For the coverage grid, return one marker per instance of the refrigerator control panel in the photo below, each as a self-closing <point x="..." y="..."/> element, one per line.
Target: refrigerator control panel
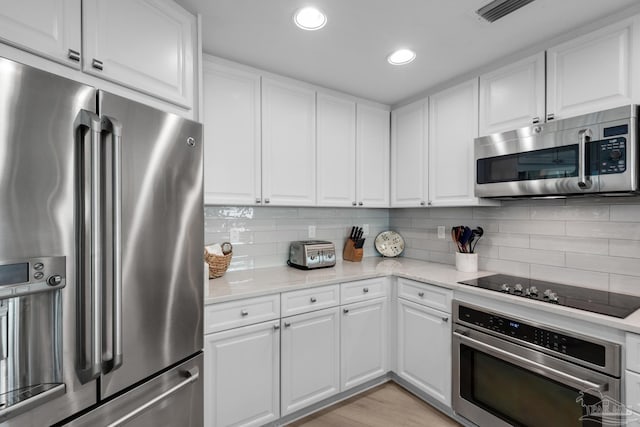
<point x="30" y="275"/>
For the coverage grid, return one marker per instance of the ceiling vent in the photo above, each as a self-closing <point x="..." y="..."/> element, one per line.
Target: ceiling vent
<point x="499" y="8"/>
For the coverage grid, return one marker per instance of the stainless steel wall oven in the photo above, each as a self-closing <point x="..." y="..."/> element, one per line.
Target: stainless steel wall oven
<point x="509" y="371"/>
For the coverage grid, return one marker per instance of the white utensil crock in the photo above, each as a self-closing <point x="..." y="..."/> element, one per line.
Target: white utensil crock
<point x="467" y="263"/>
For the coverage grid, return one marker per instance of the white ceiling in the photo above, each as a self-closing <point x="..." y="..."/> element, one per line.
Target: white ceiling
<point x="349" y="53"/>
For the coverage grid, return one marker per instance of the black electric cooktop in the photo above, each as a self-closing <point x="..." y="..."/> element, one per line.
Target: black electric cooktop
<point x="596" y="301"/>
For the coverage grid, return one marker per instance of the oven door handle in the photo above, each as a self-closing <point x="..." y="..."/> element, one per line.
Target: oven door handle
<point x="531" y="365"/>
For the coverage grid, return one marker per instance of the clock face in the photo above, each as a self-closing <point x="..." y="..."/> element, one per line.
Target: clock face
<point x="389" y="243"/>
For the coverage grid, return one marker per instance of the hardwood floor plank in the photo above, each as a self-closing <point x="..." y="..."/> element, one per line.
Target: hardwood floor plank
<point x="383" y="406"/>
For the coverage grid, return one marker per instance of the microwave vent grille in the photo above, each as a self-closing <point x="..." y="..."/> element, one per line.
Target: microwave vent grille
<point x="499" y="8"/>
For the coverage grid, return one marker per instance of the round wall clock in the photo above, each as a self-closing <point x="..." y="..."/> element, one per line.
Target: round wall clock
<point x="389" y="243"/>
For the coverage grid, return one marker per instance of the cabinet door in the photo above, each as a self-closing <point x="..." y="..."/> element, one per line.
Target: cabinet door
<point x="409" y="155"/>
<point x="453" y="125"/>
<point x="424" y="349"/>
<point x="288" y="144"/>
<point x="50" y="28"/>
<point x="363" y="342"/>
<point x="310" y="358"/>
<point x="231" y="136"/>
<point x="594" y="72"/>
<point x="372" y="154"/>
<point x="512" y="96"/>
<point x="147" y="45"/>
<point x="242" y="372"/>
<point x="336" y="142"/>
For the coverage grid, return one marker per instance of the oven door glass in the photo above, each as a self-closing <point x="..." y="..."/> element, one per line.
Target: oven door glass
<point x="519" y="396"/>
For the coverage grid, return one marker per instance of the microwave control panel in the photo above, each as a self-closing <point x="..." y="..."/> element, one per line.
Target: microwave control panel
<point x="610" y="156"/>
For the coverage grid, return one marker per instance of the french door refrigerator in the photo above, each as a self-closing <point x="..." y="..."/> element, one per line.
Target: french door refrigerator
<point x="101" y="239"/>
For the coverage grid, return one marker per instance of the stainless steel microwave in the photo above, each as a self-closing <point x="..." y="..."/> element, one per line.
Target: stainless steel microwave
<point x="595" y="153"/>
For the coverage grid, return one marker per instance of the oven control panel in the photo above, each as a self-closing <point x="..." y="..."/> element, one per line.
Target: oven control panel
<point x="547" y="338"/>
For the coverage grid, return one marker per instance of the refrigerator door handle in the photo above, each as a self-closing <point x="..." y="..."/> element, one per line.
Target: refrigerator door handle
<point x="114" y="128"/>
<point x="89" y="243"/>
<point x="191" y="376"/>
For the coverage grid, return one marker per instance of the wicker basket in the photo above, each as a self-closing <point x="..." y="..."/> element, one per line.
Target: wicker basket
<point x="218" y="264"/>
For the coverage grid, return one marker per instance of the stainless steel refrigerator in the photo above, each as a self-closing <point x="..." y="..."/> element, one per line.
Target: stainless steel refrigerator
<point x="101" y="240"/>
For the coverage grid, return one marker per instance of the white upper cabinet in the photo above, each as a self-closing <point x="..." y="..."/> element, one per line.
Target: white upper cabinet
<point x="288" y="143"/>
<point x="48" y="28"/>
<point x="231" y="135"/>
<point x="409" y="155"/>
<point x="147" y="45"/>
<point x="594" y="72"/>
<point x="336" y="151"/>
<point x="453" y="125"/>
<point x="372" y="154"/>
<point x="513" y="96"/>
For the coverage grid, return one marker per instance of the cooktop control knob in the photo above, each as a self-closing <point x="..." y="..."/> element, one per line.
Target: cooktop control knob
<point x="54" y="280"/>
<point x="517" y="288"/>
<point x="533" y="291"/>
<point x="505" y="288"/>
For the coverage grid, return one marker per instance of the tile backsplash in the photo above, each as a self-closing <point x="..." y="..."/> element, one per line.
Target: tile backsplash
<point x="264" y="233"/>
<point x="592" y="242"/>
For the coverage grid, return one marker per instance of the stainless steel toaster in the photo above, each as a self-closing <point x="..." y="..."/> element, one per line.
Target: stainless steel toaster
<point x="310" y="254"/>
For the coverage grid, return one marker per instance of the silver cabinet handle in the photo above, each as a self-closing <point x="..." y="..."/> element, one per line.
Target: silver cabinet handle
<point x="429" y="203"/>
<point x="583" y="181"/>
<point x="550" y="116"/>
<point x="353" y="203"/>
<point x="90" y="247"/>
<point x="445" y="319"/>
<point x="420" y="294"/>
<point x="267" y="201"/>
<point x="97" y="64"/>
<point x="365" y="290"/>
<point x="287" y="324"/>
<point x="360" y="203"/>
<point x="422" y="203"/>
<point x="276" y="327"/>
<point x="535" y="120"/>
<point x="258" y="200"/>
<point x="244" y="313"/>
<point x="345" y="311"/>
<point x="313" y="299"/>
<point x="73" y="55"/>
<point x="113" y="127"/>
<point x="191" y="377"/>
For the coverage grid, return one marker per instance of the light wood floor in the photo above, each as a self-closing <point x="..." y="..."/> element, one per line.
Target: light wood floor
<point x="384" y="406"/>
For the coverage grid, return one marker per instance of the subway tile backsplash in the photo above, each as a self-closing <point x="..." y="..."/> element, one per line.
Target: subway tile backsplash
<point x="264" y="233"/>
<point x="592" y="242"/>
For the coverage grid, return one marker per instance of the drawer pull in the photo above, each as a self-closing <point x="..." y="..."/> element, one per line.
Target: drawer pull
<point x="276" y="327"/>
<point x="287" y="324"/>
<point x="345" y="311"/>
<point x="421" y="294"/>
<point x="365" y="290"/>
<point x="313" y="299"/>
<point x="97" y="64"/>
<point x="445" y="319"/>
<point x="244" y="313"/>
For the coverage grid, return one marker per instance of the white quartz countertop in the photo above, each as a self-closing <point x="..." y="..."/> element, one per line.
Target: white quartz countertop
<point x="265" y="281"/>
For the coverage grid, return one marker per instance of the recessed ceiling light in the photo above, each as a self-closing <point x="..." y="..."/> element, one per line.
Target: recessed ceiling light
<point x="401" y="57"/>
<point x="310" y="18"/>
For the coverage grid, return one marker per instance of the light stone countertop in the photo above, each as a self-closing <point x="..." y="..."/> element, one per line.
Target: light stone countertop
<point x="268" y="281"/>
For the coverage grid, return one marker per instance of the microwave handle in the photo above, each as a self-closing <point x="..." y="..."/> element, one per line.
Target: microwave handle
<point x="584" y="182"/>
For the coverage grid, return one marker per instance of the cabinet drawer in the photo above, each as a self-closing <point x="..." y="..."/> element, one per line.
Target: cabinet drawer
<point x="304" y="300"/>
<point x="363" y="290"/>
<point x="429" y="295"/>
<point x="632" y="390"/>
<point x="227" y="315"/>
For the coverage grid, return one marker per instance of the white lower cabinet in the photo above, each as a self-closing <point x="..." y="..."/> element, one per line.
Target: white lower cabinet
<point x="363" y="342"/>
<point x="310" y="358"/>
<point x="242" y="376"/>
<point x="424" y="349"/>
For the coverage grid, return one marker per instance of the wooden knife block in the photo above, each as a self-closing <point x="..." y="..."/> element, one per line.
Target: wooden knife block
<point x="350" y="253"/>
